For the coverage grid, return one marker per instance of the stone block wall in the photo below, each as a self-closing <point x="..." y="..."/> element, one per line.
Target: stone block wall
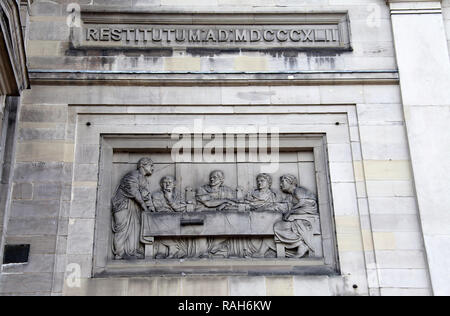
<point x="40" y="197"/>
<point x="49" y="45"/>
<point x="379" y="235"/>
<point x="379" y="220"/>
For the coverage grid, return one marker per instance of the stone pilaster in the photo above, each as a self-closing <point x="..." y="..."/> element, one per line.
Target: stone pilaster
<point x="424" y="66"/>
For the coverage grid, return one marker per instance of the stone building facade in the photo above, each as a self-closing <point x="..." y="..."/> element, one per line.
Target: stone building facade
<point x="359" y="93"/>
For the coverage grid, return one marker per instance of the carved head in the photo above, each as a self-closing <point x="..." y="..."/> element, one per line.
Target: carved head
<point x="168" y="183"/>
<point x="145" y="165"/>
<point x="288" y="182"/>
<point x="264" y="181"/>
<point x="217" y="177"/>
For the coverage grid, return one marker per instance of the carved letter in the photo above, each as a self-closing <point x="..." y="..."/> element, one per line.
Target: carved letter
<point x="129" y="31"/>
<point x="194" y="35"/>
<point x="156" y="38"/>
<point x="105" y="35"/>
<point x="92" y="34"/>
<point x="146" y="36"/>
<point x="210" y="36"/>
<point x="116" y="35"/>
<point x="308" y="35"/>
<point x="181" y="38"/>
<point x="136" y="35"/>
<point x="266" y="36"/>
<point x="280" y="38"/>
<point x="169" y="33"/>
<point x="295" y="36"/>
<point x="241" y="36"/>
<point x="255" y="35"/>
<point x="223" y="36"/>
<point x="320" y="35"/>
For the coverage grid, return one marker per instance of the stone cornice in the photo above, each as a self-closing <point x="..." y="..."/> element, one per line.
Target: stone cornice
<point x="415" y="6"/>
<point x="65" y="77"/>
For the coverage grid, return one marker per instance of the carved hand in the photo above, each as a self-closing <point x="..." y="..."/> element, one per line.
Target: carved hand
<point x="287" y="215"/>
<point x="224" y="206"/>
<point x="168" y="196"/>
<point x="144" y="207"/>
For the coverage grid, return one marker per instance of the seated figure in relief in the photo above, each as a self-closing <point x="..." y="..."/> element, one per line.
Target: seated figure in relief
<point x="263" y="198"/>
<point x="295" y="233"/>
<point x="215" y="195"/>
<point x="169" y="199"/>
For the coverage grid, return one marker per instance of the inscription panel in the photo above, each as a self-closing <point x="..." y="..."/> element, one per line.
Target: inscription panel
<point x="224" y="31"/>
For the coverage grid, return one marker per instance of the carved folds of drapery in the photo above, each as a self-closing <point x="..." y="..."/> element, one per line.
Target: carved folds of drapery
<point x="214" y="220"/>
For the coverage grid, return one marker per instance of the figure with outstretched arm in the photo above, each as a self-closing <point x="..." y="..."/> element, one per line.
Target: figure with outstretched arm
<point x="215" y="195"/>
<point x="131" y="198"/>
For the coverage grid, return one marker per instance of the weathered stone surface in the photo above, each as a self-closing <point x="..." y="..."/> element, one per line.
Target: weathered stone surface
<point x="311" y="286"/>
<point x="143" y="287"/>
<point x="33" y="226"/>
<point x="36" y="209"/>
<point x="247" y="286"/>
<point x="384" y="150"/>
<point x="37" y="264"/>
<point x="47" y="191"/>
<point x="26" y="283"/>
<point x="280" y="286"/>
<point x="108" y="287"/>
<point x="23" y="191"/>
<point x="38" y="171"/>
<point x="212" y="286"/>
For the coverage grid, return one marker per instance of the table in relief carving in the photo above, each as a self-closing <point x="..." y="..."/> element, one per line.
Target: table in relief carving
<point x="213" y="224"/>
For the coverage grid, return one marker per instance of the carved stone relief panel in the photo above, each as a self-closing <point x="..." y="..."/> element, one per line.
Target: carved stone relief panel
<point x="153" y="212"/>
<point x="196" y="210"/>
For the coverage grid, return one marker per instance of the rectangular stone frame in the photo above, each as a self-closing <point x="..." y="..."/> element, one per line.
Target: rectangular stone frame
<point x="103" y="265"/>
<point x="107" y="16"/>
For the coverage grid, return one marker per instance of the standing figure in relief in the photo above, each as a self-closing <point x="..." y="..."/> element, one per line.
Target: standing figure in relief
<point x="169" y="199"/>
<point x="131" y="198"/>
<point x="292" y="232"/>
